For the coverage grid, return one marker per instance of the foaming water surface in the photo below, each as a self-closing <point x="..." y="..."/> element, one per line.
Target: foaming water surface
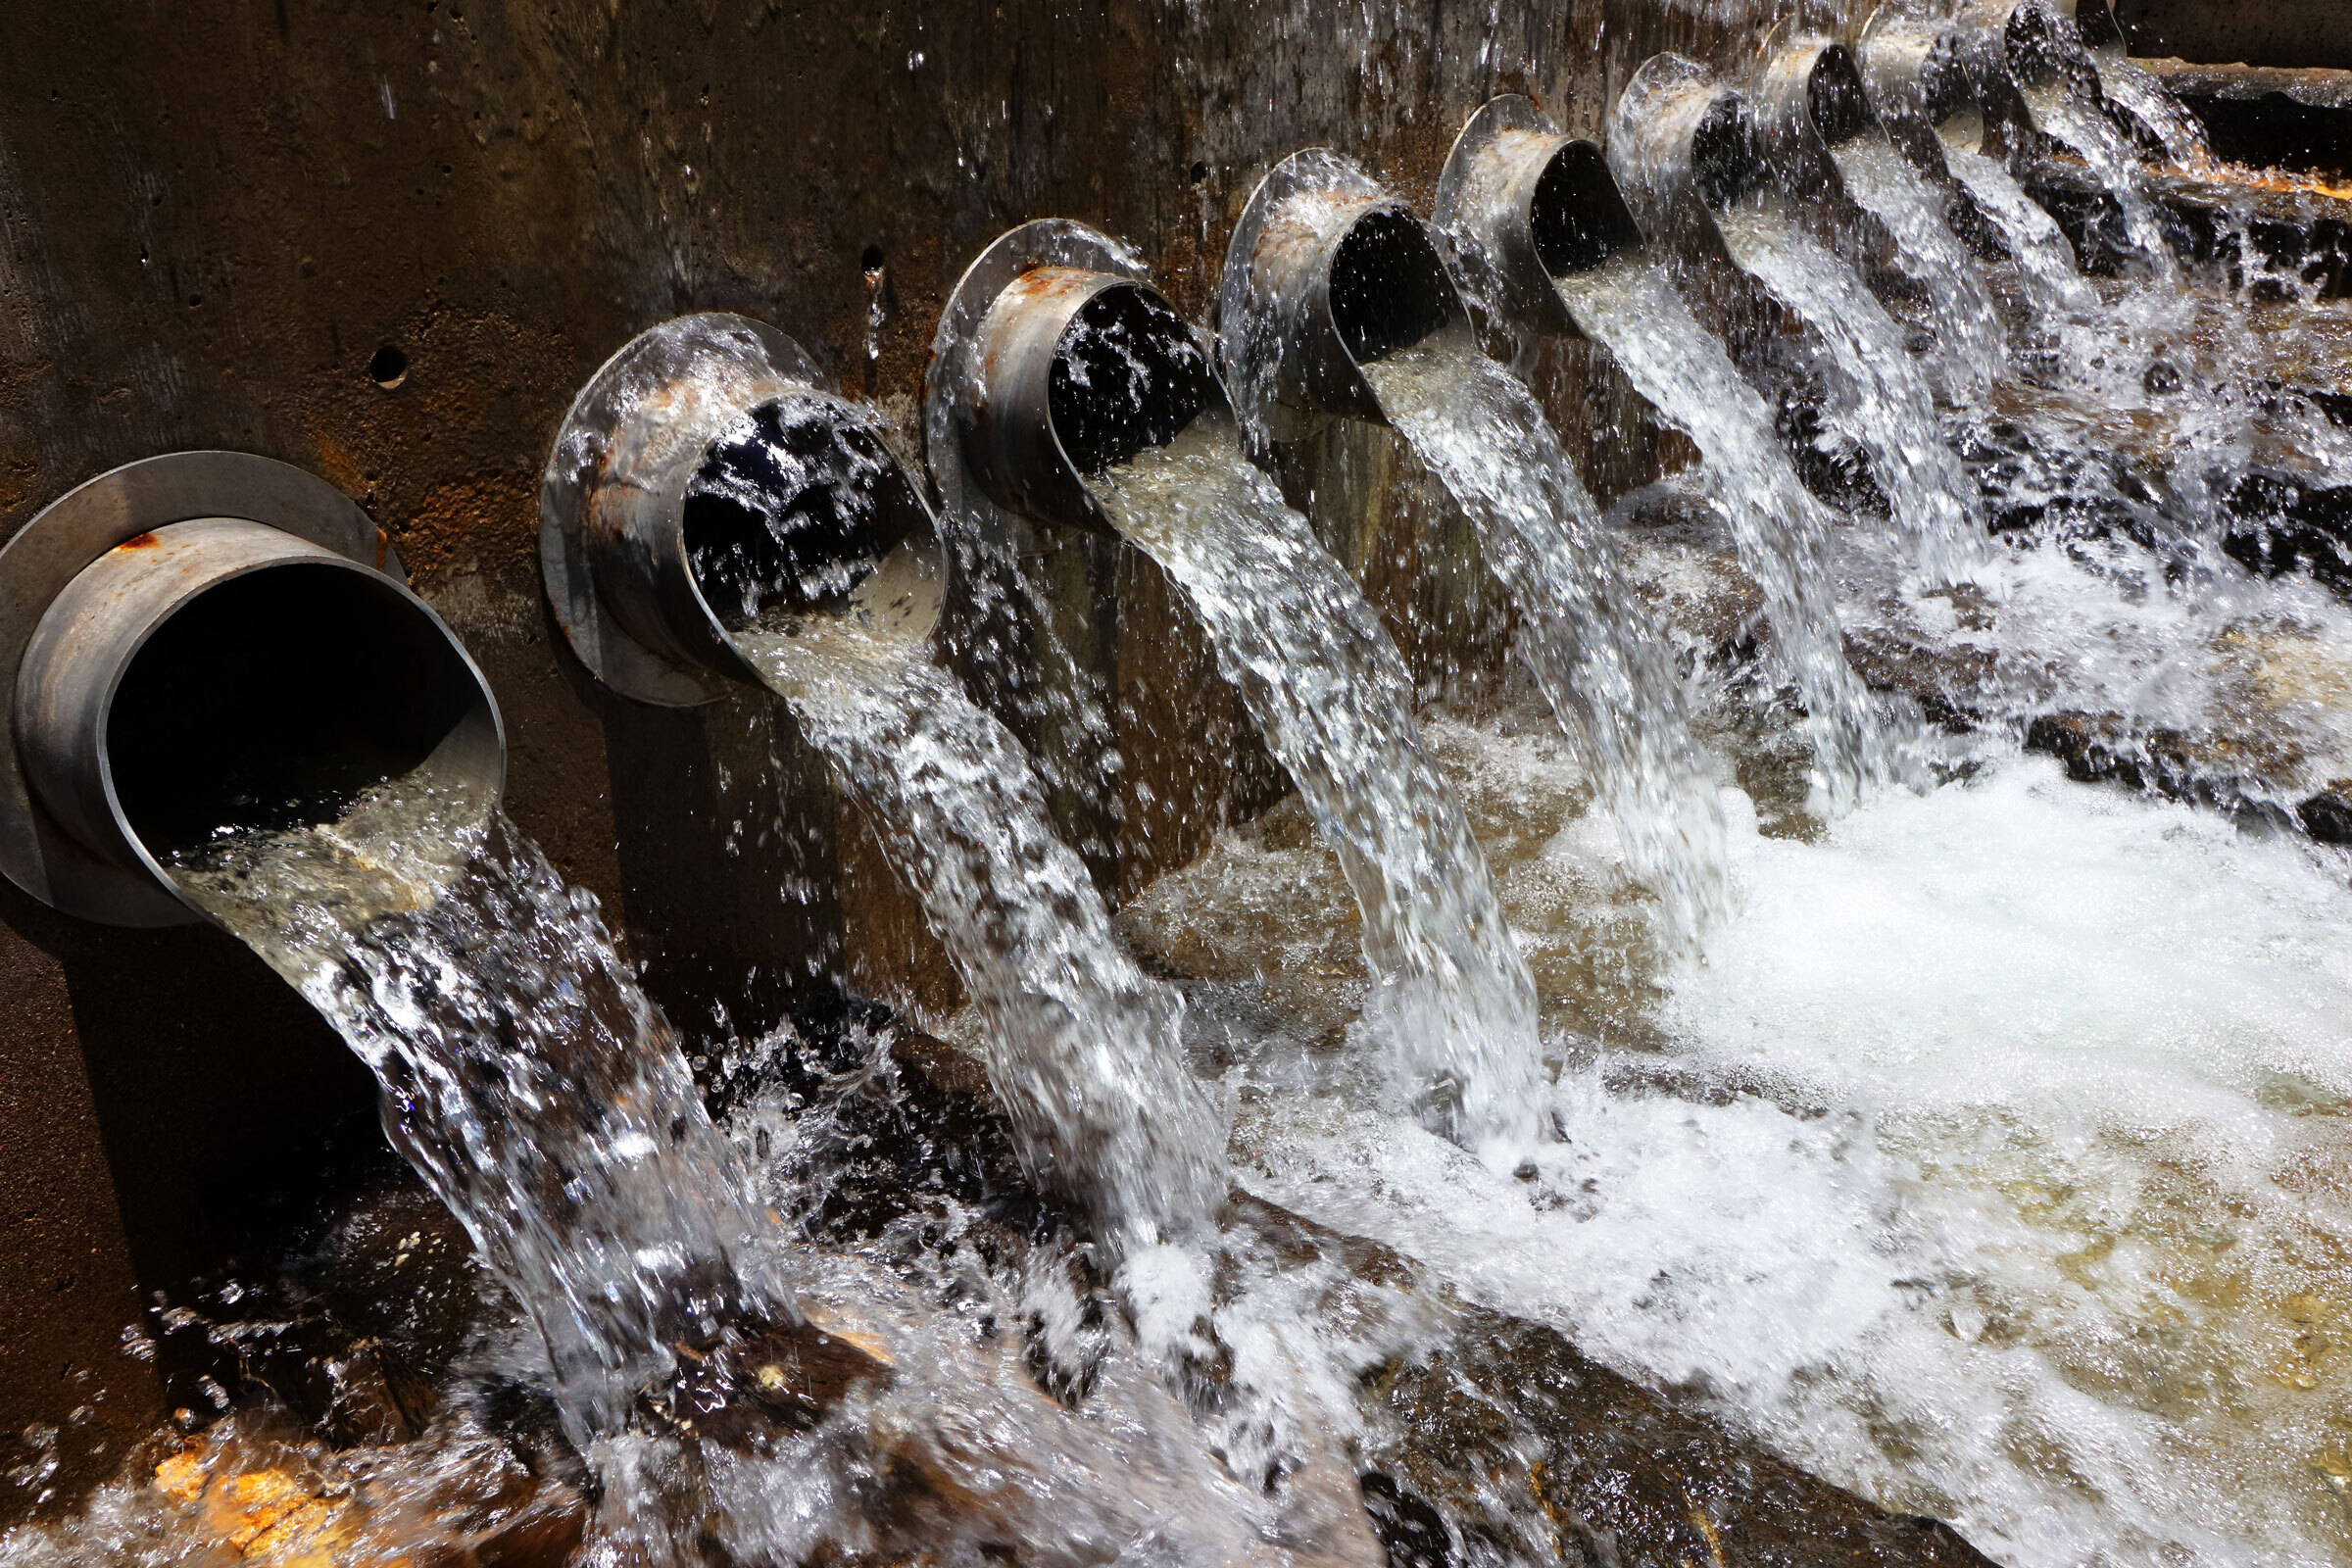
<point x="1991" y="1162"/>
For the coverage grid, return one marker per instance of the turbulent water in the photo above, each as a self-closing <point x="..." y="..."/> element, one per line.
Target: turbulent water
<point x="1330" y="695"/>
<point x="1884" y="185"/>
<point x="1993" y="1164"/>
<point x="1781" y="532"/>
<point x="1883" y="401"/>
<point x="524" y="1075"/>
<point x="1083" y="1049"/>
<point x="1602" y="661"/>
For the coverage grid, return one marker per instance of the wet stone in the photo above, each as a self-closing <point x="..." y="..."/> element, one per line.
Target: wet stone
<point x="2221" y="771"/>
<point x="2327" y="815"/>
<point x="1541" y="1450"/>
<point x="2280" y="523"/>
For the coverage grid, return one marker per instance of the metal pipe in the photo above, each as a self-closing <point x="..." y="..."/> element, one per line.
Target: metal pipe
<point x="1682" y="145"/>
<point x="205" y="642"/>
<point x="1808" y="99"/>
<point x="1077" y="371"/>
<point x="1325" y="272"/>
<point x="704" y="479"/>
<point x="1916" y="72"/>
<point x="1520" y="204"/>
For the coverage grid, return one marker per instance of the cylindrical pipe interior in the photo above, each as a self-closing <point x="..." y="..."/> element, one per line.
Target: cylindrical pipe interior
<point x="271" y="698"/>
<point x="1835" y="99"/>
<point x="1127" y="375"/>
<point x="1388" y="287"/>
<point x="1577" y="215"/>
<point x="791" y="510"/>
<point x="1724" y="161"/>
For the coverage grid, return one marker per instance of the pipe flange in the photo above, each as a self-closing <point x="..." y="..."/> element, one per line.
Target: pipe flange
<point x="1326" y="272"/>
<point x="1521" y="205"/>
<point x="1482" y="211"/>
<point x="48" y="553"/>
<point x="1057" y="242"/>
<point x="640" y="371"/>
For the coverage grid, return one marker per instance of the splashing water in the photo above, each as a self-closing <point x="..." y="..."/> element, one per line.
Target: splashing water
<point x="1606" y="670"/>
<point x="1885" y="402"/>
<point x="1885" y="186"/>
<point x="526" y="1076"/>
<point x="2071" y="116"/>
<point x="2175" y="124"/>
<point x="1082" y="1048"/>
<point x="1330" y="695"/>
<point x="1991" y="1164"/>
<point x="1782" y="533"/>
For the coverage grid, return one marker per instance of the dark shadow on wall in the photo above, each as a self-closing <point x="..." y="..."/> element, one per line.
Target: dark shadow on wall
<point x="2273" y="33"/>
<point x="724" y="820"/>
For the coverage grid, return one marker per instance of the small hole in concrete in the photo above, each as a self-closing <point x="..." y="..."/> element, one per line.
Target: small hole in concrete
<point x="871" y="261"/>
<point x="388" y="368"/>
<point x="1200" y="173"/>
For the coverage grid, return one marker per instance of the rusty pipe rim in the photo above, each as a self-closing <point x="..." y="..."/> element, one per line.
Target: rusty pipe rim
<point x="1326" y="271"/>
<point x="645" y="602"/>
<point x="1677" y="136"/>
<point x="1519" y="205"/>
<point x="1055" y="360"/>
<point x="126" y="564"/>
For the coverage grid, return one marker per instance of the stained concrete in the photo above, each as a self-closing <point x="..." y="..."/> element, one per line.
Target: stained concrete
<point x="2272" y="32"/>
<point x="386" y="240"/>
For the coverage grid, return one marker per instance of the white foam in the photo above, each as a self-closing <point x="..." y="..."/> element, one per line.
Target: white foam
<point x="2038" y="1214"/>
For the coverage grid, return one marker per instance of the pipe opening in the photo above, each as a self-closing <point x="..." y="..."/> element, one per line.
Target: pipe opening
<point x="1834" y="98"/>
<point x="274" y="699"/>
<point x="1949" y="98"/>
<point x="1725" y="161"/>
<point x="789" y="511"/>
<point x="1389" y="288"/>
<point x="1577" y="215"/>
<point x="1127" y="375"/>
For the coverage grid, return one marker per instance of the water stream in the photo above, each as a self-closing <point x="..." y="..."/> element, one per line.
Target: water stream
<point x="1783" y="534"/>
<point x="1456" y="1006"/>
<point x="1082" y="1048"/>
<point x="2045" y="257"/>
<point x="1884" y="185"/>
<point x="1602" y="662"/>
<point x="525" y="1074"/>
<point x="1881" y="398"/>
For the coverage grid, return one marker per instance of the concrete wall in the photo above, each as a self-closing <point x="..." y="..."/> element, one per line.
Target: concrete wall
<point x="2268" y="32"/>
<point x="215" y="215"/>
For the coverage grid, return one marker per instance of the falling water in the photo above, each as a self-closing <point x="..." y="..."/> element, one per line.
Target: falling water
<point x="2175" y="126"/>
<point x="1781" y="534"/>
<point x="1602" y="663"/>
<point x="2045" y="257"/>
<point x="1332" y="697"/>
<point x="525" y="1074"/>
<point x="1885" y="405"/>
<point x="1885" y="186"/>
<point x="2071" y="115"/>
<point x="1083" y="1049"/>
